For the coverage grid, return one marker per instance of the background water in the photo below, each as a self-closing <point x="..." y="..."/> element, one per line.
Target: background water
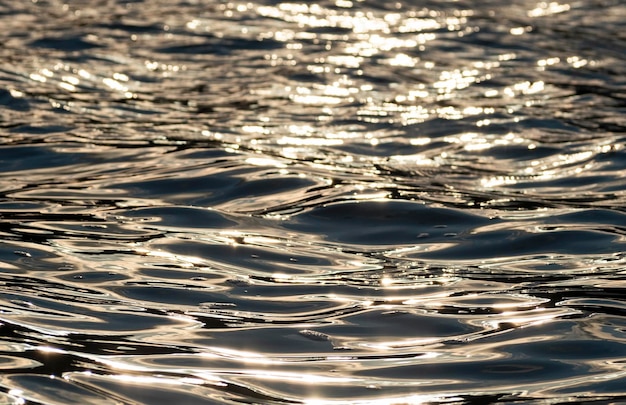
<point x="322" y="203"/>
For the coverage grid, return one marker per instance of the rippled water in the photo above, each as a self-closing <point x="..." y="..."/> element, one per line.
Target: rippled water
<point x="324" y="203"/>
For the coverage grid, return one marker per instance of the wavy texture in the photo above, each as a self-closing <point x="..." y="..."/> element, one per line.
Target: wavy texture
<point x="331" y="202"/>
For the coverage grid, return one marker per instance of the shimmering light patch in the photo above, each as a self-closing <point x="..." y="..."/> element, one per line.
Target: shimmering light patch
<point x="259" y="161"/>
<point x="575" y="157"/>
<point x="120" y="76"/>
<point x="345" y="60"/>
<point x="418" y="24"/>
<point x="214" y="135"/>
<point x="374" y="44"/>
<point x="71" y="80"/>
<point x="301" y="129"/>
<point x="543" y="9"/>
<point x="418" y="160"/>
<point x="184" y="261"/>
<point x="578" y="62"/>
<point x="284" y="35"/>
<point x="16" y="396"/>
<point x="151" y="65"/>
<point x="343" y="3"/>
<point x="193" y="24"/>
<point x="548" y="61"/>
<point x="524" y="88"/>
<point x="255" y="129"/>
<point x="84" y="74"/>
<point x="449" y="113"/>
<point x="498" y="181"/>
<point x="478" y="144"/>
<point x="242" y="355"/>
<point x="414" y="114"/>
<point x="405" y="400"/>
<point x="402" y="59"/>
<point x="317" y="110"/>
<point x="386" y="281"/>
<point x="533" y="317"/>
<point x="486" y="65"/>
<point x="67" y="86"/>
<point x="420" y="141"/>
<point x="396" y="344"/>
<point x="300" y="377"/>
<point x="290" y="140"/>
<point x="48" y="349"/>
<point x="281" y="277"/>
<point x="149" y="380"/>
<point x="409" y="114"/>
<point x="38" y="77"/>
<point x="315" y="99"/>
<point x="455" y="80"/>
<point x="317" y="16"/>
<point x="16" y="93"/>
<point x="116" y="85"/>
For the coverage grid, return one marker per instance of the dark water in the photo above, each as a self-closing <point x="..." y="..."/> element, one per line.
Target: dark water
<point x="361" y="202"/>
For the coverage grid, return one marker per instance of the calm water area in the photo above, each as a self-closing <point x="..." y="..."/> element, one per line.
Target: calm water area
<point x="318" y="203"/>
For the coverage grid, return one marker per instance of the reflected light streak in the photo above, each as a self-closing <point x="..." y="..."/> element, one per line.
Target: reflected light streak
<point x="16" y="93"/>
<point x="300" y="378"/>
<point x="148" y="380"/>
<point x="455" y="80"/>
<point x="118" y="363"/>
<point x="349" y="61"/>
<point x="290" y="140"/>
<point x="527" y="319"/>
<point x="406" y="400"/>
<point x="499" y="181"/>
<point x="38" y="77"/>
<point x="315" y="100"/>
<point x="257" y="161"/>
<point x="418" y="160"/>
<point x="418" y="24"/>
<point x="48" y="349"/>
<point x="67" y="86"/>
<point x="71" y="80"/>
<point x="185" y="261"/>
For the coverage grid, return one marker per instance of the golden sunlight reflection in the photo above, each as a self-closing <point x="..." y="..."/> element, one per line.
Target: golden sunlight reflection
<point x="545" y="9"/>
<point x="301" y="378"/>
<point x="69" y="79"/>
<point x="403" y="400"/>
<point x="455" y="80"/>
<point x="121" y="363"/>
<point x="317" y="202"/>
<point x="496" y="181"/>
<point x="296" y="141"/>
<point x="549" y="168"/>
<point x="185" y="261"/>
<point x="49" y="349"/>
<point x="183" y="381"/>
<point x="386" y="281"/>
<point x="16" y="397"/>
<point x="261" y="161"/>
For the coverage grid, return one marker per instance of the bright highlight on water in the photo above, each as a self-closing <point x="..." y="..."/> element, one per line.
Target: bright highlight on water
<point x="340" y="202"/>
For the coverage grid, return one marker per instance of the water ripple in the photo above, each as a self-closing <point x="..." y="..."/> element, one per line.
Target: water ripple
<point x="332" y="202"/>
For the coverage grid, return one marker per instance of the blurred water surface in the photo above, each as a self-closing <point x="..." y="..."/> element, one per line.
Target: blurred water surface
<point x="361" y="202"/>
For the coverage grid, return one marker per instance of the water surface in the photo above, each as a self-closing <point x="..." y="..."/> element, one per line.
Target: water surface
<point x="266" y="202"/>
